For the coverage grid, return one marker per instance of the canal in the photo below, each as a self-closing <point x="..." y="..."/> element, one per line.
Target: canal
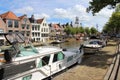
<point x="72" y="44"/>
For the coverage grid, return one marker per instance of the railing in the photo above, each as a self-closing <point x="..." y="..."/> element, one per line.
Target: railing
<point x="114" y="70"/>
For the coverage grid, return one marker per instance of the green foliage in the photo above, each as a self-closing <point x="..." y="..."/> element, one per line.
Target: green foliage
<point x="112" y="26"/>
<point x="97" y="5"/>
<point x="68" y="30"/>
<point x="93" y="30"/>
<point x="75" y="30"/>
<point x="81" y="29"/>
<point x="87" y="30"/>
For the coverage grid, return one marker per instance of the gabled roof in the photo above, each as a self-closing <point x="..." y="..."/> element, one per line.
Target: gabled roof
<point x="56" y="26"/>
<point x="21" y="17"/>
<point x="9" y="15"/>
<point x="2" y="21"/>
<point x="40" y="20"/>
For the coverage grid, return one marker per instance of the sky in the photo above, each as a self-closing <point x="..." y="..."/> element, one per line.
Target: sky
<point x="57" y="11"/>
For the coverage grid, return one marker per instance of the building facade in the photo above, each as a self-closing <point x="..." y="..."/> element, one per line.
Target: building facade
<point x="2" y="30"/>
<point x="25" y="26"/>
<point x="56" y="31"/>
<point x="11" y="21"/>
<point x="40" y="29"/>
<point x="44" y="29"/>
<point x="34" y="29"/>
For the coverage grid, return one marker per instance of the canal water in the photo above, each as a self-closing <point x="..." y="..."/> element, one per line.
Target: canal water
<point x="72" y="44"/>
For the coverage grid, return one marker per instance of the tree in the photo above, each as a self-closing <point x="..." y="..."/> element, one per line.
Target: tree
<point x="97" y="5"/>
<point x="108" y="28"/>
<point x="112" y="26"/>
<point x="93" y="30"/>
<point x="81" y="30"/>
<point x="87" y="30"/>
<point x="67" y="30"/>
<point x="113" y="23"/>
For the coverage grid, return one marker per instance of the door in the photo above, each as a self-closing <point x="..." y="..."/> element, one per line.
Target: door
<point x="58" y="62"/>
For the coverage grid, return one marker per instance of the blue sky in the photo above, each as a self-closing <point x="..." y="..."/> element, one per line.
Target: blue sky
<point x="57" y="11"/>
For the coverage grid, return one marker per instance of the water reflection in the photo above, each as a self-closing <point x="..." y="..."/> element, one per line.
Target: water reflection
<point x="71" y="44"/>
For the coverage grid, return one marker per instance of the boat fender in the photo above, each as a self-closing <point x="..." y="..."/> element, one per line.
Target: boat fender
<point x="81" y="46"/>
<point x="1" y="73"/>
<point x="7" y="56"/>
<point x="64" y="49"/>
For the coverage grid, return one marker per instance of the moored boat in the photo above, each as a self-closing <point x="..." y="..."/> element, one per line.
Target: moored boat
<point x="21" y="62"/>
<point x="92" y="46"/>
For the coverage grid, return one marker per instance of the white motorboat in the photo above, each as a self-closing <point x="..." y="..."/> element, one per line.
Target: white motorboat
<point x="92" y="46"/>
<point x="18" y="62"/>
<point x="57" y="41"/>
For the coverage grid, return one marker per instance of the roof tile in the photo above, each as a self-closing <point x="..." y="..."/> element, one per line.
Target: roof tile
<point x="9" y="15"/>
<point x="40" y="20"/>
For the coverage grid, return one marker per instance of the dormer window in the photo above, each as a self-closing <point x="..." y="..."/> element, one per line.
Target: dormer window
<point x="25" y="20"/>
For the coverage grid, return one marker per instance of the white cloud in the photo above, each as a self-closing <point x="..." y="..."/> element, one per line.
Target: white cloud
<point x="79" y="8"/>
<point x="24" y="10"/>
<point x="72" y="12"/>
<point x="61" y="13"/>
<point x="105" y="12"/>
<point x="37" y="16"/>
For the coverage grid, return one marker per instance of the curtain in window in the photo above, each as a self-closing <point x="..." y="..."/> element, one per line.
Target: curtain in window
<point x="40" y="64"/>
<point x="60" y="56"/>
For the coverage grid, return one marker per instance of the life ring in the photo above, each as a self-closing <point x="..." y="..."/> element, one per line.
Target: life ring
<point x="1" y="55"/>
<point x="2" y="58"/>
<point x="2" y="61"/>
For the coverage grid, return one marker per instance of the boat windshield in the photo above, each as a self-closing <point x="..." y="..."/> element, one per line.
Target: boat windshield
<point x="15" y="37"/>
<point x="18" y="44"/>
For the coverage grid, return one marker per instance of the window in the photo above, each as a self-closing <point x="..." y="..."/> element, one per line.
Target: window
<point x="28" y="33"/>
<point x="25" y="20"/>
<point x="33" y="34"/>
<point x="16" y="24"/>
<point x="42" y="30"/>
<point x="38" y="34"/>
<point x="32" y="27"/>
<point x="45" y="60"/>
<point x="44" y="35"/>
<point x="45" y="24"/>
<point x="10" y="31"/>
<point x="69" y="58"/>
<point x="58" y="56"/>
<point x="10" y="23"/>
<point x="23" y="26"/>
<point x="27" y="26"/>
<point x="16" y="31"/>
<point x="23" y="33"/>
<point x="27" y="77"/>
<point x="38" y="27"/>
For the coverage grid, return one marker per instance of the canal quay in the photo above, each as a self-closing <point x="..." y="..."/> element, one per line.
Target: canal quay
<point x="93" y="66"/>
